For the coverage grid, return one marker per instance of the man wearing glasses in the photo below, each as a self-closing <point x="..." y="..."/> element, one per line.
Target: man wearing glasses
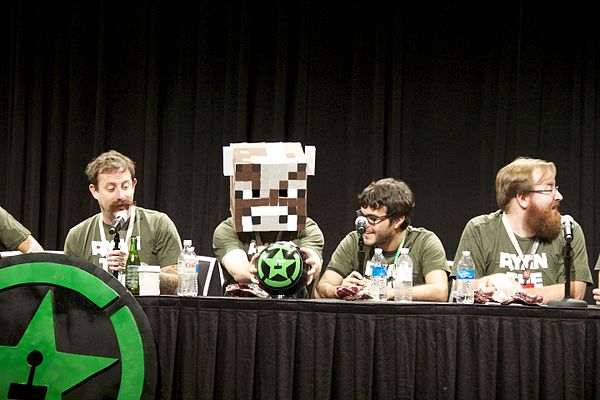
<point x="520" y="246"/>
<point x="387" y="204"/>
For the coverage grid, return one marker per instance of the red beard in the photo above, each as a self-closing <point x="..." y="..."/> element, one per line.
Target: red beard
<point x="545" y="223"/>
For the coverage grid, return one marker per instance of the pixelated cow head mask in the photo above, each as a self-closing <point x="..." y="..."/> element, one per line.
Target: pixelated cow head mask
<point x="268" y="185"/>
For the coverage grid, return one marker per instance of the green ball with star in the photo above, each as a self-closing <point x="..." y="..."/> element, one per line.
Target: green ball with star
<point x="282" y="270"/>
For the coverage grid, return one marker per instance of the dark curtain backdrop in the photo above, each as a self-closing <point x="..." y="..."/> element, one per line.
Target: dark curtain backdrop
<point x="440" y="95"/>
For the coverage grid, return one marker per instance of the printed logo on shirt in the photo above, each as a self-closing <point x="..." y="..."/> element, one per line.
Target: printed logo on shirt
<point x="516" y="265"/>
<point x="101" y="248"/>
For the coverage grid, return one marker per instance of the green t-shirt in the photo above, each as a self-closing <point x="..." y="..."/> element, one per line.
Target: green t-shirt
<point x="12" y="233"/>
<point x="226" y="239"/>
<point x="158" y="239"/>
<point x="425" y="250"/>
<point x="597" y="264"/>
<point x="493" y="252"/>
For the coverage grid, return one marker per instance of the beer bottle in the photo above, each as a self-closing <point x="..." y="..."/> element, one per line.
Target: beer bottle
<point x="132" y="277"/>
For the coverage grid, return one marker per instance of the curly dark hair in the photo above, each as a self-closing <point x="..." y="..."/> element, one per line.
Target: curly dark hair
<point x="392" y="193"/>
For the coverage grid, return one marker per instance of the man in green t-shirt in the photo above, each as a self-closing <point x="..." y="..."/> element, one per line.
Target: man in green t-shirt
<point x="236" y="249"/>
<point x="14" y="236"/>
<point x="268" y="184"/>
<point x="112" y="184"/>
<point x="387" y="205"/>
<point x="520" y="246"/>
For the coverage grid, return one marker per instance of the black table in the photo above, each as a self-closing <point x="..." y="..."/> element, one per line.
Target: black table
<point x="226" y="348"/>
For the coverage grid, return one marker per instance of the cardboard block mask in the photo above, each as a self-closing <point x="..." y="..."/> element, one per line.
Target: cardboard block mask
<point x="268" y="185"/>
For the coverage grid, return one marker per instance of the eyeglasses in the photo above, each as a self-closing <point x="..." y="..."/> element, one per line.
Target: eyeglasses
<point x="372" y="218"/>
<point x="552" y="191"/>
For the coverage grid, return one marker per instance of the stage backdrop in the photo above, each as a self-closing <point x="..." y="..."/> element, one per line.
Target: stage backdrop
<point x="439" y="95"/>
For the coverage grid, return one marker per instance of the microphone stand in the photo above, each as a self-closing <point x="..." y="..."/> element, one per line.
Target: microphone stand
<point x="567" y="301"/>
<point x="361" y="243"/>
<point x="117" y="239"/>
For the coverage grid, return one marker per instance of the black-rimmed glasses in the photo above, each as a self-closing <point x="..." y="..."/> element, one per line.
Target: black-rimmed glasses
<point x="372" y="218"/>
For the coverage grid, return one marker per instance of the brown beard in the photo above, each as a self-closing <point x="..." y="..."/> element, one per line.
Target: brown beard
<point x="115" y="206"/>
<point x="544" y="223"/>
<point x="383" y="239"/>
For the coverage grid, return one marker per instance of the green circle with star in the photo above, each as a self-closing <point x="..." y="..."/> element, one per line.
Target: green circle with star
<point x="281" y="268"/>
<point x="71" y="330"/>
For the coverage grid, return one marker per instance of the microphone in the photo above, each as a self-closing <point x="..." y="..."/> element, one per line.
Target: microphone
<point x="567" y="224"/>
<point x="117" y="222"/>
<point x="361" y="224"/>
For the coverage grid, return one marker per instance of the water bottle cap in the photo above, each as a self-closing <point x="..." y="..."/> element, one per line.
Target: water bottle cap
<point x="187" y="242"/>
<point x="378" y="250"/>
<point x="403" y="251"/>
<point x="466" y="253"/>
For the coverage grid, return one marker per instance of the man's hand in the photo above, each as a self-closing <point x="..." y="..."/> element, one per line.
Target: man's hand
<point x="116" y="260"/>
<point x="596" y="293"/>
<point x="313" y="260"/>
<point x="355" y="279"/>
<point x="252" y="269"/>
<point x="500" y="282"/>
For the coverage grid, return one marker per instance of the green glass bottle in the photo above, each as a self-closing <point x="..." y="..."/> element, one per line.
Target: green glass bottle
<point x="132" y="277"/>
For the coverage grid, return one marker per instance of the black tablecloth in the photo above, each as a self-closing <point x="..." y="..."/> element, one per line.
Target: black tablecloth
<point x="226" y="348"/>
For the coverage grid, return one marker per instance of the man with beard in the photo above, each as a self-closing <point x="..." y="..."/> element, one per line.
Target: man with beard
<point x="520" y="246"/>
<point x="112" y="183"/>
<point x="387" y="205"/>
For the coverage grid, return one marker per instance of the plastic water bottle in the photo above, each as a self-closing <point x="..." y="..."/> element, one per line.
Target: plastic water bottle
<point x="187" y="271"/>
<point x="379" y="275"/>
<point x="465" y="279"/>
<point x="403" y="279"/>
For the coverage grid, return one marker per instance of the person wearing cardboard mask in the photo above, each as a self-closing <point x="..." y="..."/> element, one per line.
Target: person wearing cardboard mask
<point x="268" y="204"/>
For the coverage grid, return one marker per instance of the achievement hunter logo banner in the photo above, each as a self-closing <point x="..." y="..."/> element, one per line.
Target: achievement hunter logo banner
<point x="69" y="330"/>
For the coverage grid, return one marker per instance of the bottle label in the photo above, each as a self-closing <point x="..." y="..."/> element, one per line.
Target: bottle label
<point x="191" y="266"/>
<point x="132" y="279"/>
<point x="379" y="270"/>
<point x="465" y="274"/>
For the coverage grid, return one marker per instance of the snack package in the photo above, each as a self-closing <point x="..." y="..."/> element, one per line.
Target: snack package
<point x="502" y="298"/>
<point x="245" y="290"/>
<point x="353" y="293"/>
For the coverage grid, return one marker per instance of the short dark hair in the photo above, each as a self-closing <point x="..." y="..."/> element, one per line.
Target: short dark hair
<point x="392" y="193"/>
<point x="109" y="161"/>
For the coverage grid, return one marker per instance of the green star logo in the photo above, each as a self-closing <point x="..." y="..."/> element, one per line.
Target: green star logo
<point x="39" y="339"/>
<point x="52" y="304"/>
<point x="279" y="266"/>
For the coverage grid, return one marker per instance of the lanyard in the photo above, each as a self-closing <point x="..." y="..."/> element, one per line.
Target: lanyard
<point x="256" y="246"/>
<point x="400" y="248"/>
<point x="129" y="229"/>
<point x="515" y="244"/>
